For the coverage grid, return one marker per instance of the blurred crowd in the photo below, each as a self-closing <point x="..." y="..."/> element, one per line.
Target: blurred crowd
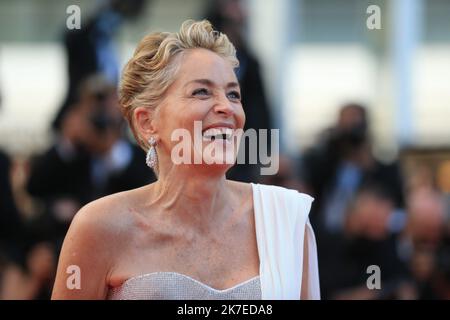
<point x="366" y="212"/>
<point x="92" y="155"/>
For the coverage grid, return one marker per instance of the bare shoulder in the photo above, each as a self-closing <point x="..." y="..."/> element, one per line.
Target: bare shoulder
<point x="242" y="190"/>
<point x="108" y="218"/>
<point x="97" y="235"/>
<point x="240" y="186"/>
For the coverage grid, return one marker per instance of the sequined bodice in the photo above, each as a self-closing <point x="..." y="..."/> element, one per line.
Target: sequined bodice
<point x="177" y="286"/>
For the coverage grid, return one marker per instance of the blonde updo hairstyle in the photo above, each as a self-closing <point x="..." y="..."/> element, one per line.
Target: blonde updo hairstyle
<point x="153" y="67"/>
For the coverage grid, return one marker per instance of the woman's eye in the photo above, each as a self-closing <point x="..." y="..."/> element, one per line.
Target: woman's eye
<point x="234" y="95"/>
<point x="200" y="92"/>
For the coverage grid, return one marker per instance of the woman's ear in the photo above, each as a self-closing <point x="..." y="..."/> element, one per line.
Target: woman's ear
<point x="144" y="122"/>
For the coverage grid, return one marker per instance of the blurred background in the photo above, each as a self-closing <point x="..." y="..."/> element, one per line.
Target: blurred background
<point x="359" y="90"/>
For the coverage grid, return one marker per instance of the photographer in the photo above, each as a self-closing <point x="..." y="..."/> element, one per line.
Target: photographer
<point x="90" y="158"/>
<point x="334" y="171"/>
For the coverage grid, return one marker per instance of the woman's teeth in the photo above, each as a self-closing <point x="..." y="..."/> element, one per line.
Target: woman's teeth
<point x="218" y="133"/>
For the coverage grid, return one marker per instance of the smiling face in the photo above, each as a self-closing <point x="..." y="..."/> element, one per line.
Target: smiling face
<point x="206" y="92"/>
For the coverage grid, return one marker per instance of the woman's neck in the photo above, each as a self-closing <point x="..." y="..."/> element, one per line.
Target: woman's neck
<point x="194" y="198"/>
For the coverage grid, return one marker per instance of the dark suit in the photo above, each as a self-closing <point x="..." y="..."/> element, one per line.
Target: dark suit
<point x="10" y="221"/>
<point x="53" y="178"/>
<point x="82" y="48"/>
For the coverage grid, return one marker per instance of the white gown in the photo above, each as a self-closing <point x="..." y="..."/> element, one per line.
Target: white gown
<point x="281" y="219"/>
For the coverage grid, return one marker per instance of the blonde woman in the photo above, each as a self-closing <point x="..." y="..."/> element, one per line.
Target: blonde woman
<point x="192" y="234"/>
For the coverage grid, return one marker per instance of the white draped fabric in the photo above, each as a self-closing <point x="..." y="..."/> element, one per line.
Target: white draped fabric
<point x="281" y="218"/>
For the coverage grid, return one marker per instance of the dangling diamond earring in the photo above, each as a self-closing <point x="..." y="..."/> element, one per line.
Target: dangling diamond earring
<point x="152" y="156"/>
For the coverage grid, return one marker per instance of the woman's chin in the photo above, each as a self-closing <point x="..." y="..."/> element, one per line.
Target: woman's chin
<point x="219" y="161"/>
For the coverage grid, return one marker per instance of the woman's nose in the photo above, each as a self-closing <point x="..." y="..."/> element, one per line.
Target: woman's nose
<point x="223" y="105"/>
